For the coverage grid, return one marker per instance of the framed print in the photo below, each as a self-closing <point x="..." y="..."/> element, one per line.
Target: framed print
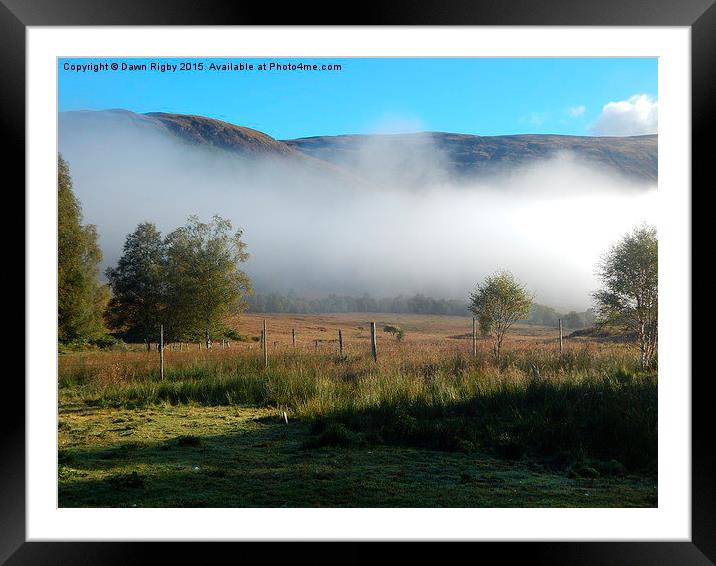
<point x="396" y="279"/>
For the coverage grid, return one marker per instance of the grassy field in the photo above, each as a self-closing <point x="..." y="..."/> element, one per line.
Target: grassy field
<point x="428" y="425"/>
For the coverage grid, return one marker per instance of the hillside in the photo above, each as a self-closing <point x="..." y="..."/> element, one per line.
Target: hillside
<point x="160" y="134"/>
<point x="412" y="158"/>
<point x="469" y="155"/>
<point x="194" y="130"/>
<point x="200" y="130"/>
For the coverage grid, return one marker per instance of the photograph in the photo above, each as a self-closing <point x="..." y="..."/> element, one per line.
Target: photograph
<point x="357" y="282"/>
<point x="421" y="274"/>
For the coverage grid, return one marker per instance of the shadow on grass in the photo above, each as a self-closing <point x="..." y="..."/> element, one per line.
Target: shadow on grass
<point x="541" y="447"/>
<point x="264" y="471"/>
<point x="609" y="425"/>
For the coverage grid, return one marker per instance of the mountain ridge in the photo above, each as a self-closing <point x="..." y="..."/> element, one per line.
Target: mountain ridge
<point x="460" y="155"/>
<point x="469" y="155"/>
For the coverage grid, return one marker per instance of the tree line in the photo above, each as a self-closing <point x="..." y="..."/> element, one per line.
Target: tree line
<point x="291" y="303"/>
<point x="279" y="303"/>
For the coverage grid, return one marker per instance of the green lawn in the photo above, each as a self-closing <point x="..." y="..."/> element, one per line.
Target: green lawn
<point x="196" y="456"/>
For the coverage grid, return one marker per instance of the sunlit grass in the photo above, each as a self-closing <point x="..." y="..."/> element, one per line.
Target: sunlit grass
<point x="591" y="401"/>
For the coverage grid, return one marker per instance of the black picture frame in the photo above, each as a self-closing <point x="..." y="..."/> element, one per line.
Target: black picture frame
<point x="699" y="15"/>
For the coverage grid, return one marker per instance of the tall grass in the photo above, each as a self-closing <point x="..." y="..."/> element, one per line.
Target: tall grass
<point x="586" y="404"/>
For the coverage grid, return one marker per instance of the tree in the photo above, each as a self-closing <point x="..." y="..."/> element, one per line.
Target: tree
<point x="629" y="297"/>
<point x="80" y="297"/>
<point x="546" y="316"/>
<point x="137" y="283"/>
<point x="572" y="320"/>
<point x="204" y="282"/>
<point x="497" y="303"/>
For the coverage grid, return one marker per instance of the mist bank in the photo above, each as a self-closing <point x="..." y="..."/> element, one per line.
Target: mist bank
<point x="417" y="158"/>
<point x="317" y="229"/>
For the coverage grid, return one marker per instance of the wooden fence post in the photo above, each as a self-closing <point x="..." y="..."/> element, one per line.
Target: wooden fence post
<point x="340" y="343"/>
<point x="373" y="342"/>
<point x="293" y="337"/>
<point x="161" y="352"/>
<point x="560" y="337"/>
<point x="474" y="338"/>
<point x="265" y="345"/>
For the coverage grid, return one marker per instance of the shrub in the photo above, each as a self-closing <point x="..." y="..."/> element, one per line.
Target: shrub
<point x="395" y="331"/>
<point x="232" y="334"/>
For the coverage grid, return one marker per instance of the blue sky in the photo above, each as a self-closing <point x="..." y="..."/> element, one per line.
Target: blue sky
<point x="466" y="95"/>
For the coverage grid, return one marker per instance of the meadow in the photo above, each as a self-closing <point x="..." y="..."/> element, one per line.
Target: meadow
<point x="428" y="424"/>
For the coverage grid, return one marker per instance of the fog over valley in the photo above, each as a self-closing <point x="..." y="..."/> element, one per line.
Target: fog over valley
<point x="385" y="215"/>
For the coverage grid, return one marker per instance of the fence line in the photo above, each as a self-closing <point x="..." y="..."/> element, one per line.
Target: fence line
<point x="263" y="342"/>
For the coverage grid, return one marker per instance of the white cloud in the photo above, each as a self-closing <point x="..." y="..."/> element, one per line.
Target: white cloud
<point x="633" y="117"/>
<point x="576" y="111"/>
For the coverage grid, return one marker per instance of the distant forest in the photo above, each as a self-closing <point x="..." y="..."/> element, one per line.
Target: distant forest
<point x="417" y="304"/>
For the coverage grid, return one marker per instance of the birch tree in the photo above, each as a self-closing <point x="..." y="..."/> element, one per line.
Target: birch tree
<point x="629" y="296"/>
<point x="204" y="282"/>
<point x="497" y="303"/>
